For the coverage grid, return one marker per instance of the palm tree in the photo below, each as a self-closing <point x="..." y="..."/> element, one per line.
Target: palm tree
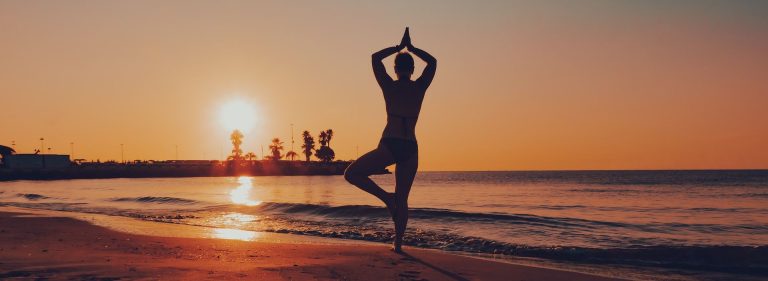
<point x="329" y="136"/>
<point x="325" y="153"/>
<point x="276" y="147"/>
<point x="309" y="144"/>
<point x="237" y="139"/>
<point x="323" y="138"/>
<point x="291" y="155"/>
<point x="250" y="156"/>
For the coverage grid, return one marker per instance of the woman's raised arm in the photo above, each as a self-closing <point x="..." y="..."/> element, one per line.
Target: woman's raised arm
<point x="378" y="67"/>
<point x="429" y="70"/>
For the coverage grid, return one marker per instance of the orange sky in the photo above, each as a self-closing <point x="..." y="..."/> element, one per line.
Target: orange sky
<point x="520" y="85"/>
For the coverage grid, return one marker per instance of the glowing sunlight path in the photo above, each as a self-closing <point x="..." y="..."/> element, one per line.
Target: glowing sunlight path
<point x="241" y="194"/>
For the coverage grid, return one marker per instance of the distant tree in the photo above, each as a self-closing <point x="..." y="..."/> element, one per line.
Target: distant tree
<point x="323" y="138"/>
<point x="237" y="139"/>
<point x="250" y="156"/>
<point x="291" y="155"/>
<point x="325" y="153"/>
<point x="5" y="151"/>
<point x="329" y="136"/>
<point x="275" y="148"/>
<point x="309" y="144"/>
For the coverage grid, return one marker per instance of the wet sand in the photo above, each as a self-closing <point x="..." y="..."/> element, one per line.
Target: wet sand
<point x="34" y="247"/>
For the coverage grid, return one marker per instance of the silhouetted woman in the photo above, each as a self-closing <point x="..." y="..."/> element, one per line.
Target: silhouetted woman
<point x="398" y="145"/>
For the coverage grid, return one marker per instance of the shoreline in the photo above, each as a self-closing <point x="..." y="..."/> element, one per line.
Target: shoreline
<point x="43" y="244"/>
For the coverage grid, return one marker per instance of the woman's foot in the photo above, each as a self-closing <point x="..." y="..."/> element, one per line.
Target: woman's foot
<point x="391" y="205"/>
<point x="397" y="247"/>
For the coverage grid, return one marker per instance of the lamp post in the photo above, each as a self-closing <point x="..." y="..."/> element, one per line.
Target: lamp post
<point x="42" y="145"/>
<point x="292" y="141"/>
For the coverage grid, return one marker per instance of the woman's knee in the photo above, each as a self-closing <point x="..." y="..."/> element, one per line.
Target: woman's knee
<point x="351" y="175"/>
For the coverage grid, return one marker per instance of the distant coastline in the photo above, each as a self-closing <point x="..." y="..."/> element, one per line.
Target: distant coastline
<point x="173" y="169"/>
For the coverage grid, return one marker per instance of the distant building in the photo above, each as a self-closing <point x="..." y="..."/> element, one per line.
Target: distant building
<point x="36" y="161"/>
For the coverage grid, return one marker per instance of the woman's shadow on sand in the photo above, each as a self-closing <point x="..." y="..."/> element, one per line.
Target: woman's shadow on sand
<point x="409" y="257"/>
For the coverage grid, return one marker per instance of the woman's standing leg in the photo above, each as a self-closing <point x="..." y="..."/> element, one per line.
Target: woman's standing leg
<point x="405" y="173"/>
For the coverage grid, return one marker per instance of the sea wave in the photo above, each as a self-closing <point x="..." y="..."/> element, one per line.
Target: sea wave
<point x="753" y="195"/>
<point x="416" y="213"/>
<point x="366" y="211"/>
<point x="605" y="190"/>
<point x="153" y="199"/>
<point x="32" y="196"/>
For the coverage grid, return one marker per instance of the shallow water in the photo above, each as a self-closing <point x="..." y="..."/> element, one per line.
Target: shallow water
<point x="700" y="221"/>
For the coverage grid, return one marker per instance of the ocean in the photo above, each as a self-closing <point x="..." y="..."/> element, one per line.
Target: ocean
<point x="710" y="225"/>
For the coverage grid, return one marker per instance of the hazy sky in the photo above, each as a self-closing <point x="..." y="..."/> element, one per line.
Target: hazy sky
<point x="519" y="85"/>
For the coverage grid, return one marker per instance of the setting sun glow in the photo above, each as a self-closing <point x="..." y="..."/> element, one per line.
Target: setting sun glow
<point x="237" y="115"/>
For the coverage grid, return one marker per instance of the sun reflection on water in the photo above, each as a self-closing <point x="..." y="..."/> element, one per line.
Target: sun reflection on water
<point x="237" y="219"/>
<point x="235" y="234"/>
<point x="241" y="194"/>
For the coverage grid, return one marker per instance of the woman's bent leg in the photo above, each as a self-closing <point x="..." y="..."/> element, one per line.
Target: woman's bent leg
<point x="359" y="171"/>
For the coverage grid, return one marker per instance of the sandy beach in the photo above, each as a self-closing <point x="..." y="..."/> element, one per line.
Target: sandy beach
<point x="50" y="247"/>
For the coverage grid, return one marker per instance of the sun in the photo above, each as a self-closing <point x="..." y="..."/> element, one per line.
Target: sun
<point x="237" y="115"/>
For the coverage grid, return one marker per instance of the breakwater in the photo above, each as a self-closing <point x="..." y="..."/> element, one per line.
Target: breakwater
<point x="171" y="169"/>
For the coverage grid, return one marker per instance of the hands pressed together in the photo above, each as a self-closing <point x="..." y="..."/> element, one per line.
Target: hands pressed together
<point x="406" y="41"/>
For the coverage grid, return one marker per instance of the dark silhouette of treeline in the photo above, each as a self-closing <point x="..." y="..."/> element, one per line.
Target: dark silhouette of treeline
<point x="325" y="153"/>
<point x="238" y="163"/>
